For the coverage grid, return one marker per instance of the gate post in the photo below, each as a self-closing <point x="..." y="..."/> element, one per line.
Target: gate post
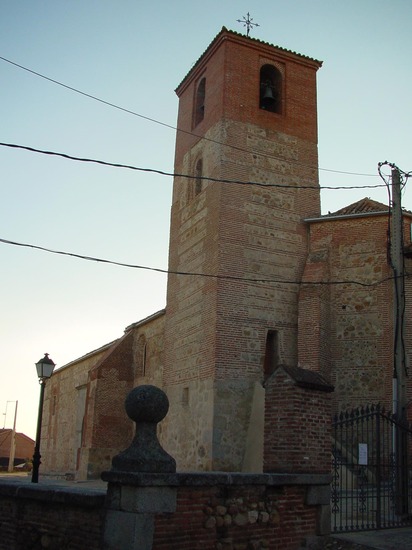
<point x="402" y="473"/>
<point x="131" y="505"/>
<point x="378" y="467"/>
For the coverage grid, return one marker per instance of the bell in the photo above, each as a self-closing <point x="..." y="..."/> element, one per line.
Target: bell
<point x="268" y="95"/>
<point x="267" y="98"/>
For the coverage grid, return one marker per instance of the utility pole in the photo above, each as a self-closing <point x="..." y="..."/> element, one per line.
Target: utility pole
<point x="400" y="372"/>
<point x="399" y="294"/>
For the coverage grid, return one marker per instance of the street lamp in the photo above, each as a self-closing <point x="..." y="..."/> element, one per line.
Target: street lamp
<point x="44" y="368"/>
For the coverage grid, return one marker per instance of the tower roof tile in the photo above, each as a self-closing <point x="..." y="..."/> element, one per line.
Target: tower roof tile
<point x="228" y="32"/>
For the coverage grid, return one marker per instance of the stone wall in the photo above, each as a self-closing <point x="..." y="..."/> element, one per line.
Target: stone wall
<point x="106" y="429"/>
<point x="346" y="326"/>
<point x="52" y="517"/>
<point x="84" y="424"/>
<point x="63" y="414"/>
<point x="213" y="511"/>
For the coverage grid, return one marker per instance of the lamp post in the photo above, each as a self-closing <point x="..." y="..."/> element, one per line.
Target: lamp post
<point x="44" y="368"/>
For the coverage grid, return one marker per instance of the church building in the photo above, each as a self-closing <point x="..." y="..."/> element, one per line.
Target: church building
<point x="258" y="278"/>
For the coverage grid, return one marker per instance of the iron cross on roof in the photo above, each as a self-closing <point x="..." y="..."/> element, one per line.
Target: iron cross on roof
<point x="247" y="22"/>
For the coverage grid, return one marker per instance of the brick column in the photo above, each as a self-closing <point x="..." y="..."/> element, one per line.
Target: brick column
<point x="297" y="422"/>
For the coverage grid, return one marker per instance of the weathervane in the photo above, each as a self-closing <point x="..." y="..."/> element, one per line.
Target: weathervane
<point x="247" y="22"/>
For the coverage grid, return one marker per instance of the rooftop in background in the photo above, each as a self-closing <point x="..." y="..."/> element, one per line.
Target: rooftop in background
<point x="362" y="207"/>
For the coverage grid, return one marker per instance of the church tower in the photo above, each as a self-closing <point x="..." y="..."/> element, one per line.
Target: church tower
<point x="247" y="136"/>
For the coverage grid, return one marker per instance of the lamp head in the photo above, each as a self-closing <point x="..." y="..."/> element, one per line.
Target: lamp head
<point x="45" y="367"/>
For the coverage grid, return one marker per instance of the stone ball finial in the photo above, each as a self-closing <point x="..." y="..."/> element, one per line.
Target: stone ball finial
<point x="146" y="404"/>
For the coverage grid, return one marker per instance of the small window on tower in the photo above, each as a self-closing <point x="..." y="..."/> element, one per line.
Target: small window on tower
<point x="199" y="112"/>
<point x="270" y="92"/>
<point x="198" y="176"/>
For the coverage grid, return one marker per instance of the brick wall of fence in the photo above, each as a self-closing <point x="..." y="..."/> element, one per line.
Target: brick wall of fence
<point x="261" y="512"/>
<point x="46" y="516"/>
<point x="213" y="511"/>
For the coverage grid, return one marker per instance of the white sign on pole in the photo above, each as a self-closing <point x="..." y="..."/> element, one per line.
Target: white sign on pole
<point x="363" y="454"/>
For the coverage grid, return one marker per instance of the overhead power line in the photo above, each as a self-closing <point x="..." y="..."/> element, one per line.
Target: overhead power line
<point x="90" y="96"/>
<point x="155" y="121"/>
<point x="187" y="176"/>
<point x="197" y="274"/>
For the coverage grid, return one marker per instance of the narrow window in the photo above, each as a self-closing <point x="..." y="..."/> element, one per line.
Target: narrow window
<point x="198" y="176"/>
<point x="140" y="356"/>
<point x="185" y="396"/>
<point x="270" y="92"/>
<point x="271" y="353"/>
<point x="199" y="112"/>
<point x="144" y="358"/>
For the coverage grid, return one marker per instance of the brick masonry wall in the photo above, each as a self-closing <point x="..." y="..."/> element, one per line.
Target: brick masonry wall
<point x="84" y="420"/>
<point x="297" y="426"/>
<point x="408" y="336"/>
<point x="356" y="320"/>
<point x="148" y="362"/>
<point x="47" y="518"/>
<point x="214" y="512"/>
<point x="216" y="329"/>
<point x="314" y="331"/>
<point x="106" y="428"/>
<point x="229" y="518"/>
<point x="63" y="415"/>
<point x="231" y="67"/>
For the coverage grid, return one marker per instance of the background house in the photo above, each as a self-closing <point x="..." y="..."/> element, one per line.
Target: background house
<point x="23" y="451"/>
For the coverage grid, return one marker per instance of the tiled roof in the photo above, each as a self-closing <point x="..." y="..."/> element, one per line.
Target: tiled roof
<point x="307" y="378"/>
<point x="146" y="320"/>
<point x="362" y="206"/>
<point x="234" y="33"/>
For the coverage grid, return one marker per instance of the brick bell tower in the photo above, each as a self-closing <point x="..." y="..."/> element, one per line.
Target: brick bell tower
<point x="247" y="112"/>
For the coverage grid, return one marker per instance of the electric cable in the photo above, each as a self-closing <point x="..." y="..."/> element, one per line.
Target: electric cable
<point x="155" y="121"/>
<point x="187" y="176"/>
<point x="197" y="274"/>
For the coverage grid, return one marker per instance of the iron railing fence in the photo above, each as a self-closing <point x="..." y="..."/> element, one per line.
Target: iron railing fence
<point x="371" y="470"/>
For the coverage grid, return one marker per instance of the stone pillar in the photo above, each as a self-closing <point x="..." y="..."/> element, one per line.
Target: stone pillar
<point x="131" y="503"/>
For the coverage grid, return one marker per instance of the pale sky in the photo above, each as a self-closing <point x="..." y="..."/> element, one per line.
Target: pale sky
<point x="134" y="54"/>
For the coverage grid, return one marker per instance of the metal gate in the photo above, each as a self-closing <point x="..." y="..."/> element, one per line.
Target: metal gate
<point x="371" y="470"/>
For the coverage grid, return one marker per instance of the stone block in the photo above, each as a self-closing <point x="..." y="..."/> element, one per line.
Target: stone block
<point x="318" y="494"/>
<point x="324" y="520"/>
<point x="128" y="530"/>
<point x="148" y="500"/>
